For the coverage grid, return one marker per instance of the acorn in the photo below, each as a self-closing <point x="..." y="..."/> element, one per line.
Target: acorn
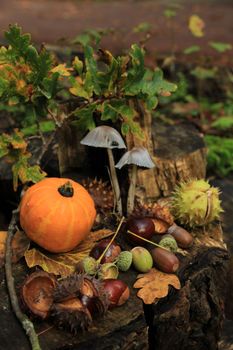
<point x="37" y="293"/>
<point x="110" y="255"/>
<point x="183" y="238"/>
<point x="165" y="260"/>
<point x="117" y="291"/>
<point x="108" y="270"/>
<point x="124" y="260"/>
<point x="88" y="265"/>
<point x="142" y="259"/>
<point x="143" y="227"/>
<point x="169" y="242"/>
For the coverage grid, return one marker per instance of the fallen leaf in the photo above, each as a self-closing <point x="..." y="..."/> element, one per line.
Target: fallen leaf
<point x="64" y="264"/>
<point x="20" y="244"/>
<point x="154" y="285"/>
<point x="34" y="257"/>
<point x="196" y="25"/>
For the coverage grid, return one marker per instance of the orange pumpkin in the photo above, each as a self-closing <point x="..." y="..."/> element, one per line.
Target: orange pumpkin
<point x="57" y="214"/>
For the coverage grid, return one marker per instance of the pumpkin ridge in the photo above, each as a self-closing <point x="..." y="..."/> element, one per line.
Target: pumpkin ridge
<point x="83" y="205"/>
<point x="42" y="226"/>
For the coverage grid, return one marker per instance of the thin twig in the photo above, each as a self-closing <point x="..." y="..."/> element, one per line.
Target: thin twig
<point x="45" y="147"/>
<point x="26" y="323"/>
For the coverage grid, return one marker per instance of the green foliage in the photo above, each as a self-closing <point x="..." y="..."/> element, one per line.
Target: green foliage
<point x="219" y="156"/>
<point x="26" y="77"/>
<point x="142" y="27"/>
<point x="223" y="123"/>
<point x="169" y="13"/>
<point x="90" y="37"/>
<point x="220" y="47"/>
<point x="110" y="85"/>
<point x="204" y="73"/>
<point x="191" y="49"/>
<point x="102" y="87"/>
<point x="14" y="148"/>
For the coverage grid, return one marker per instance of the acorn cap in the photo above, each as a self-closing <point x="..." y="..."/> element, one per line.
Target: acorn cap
<point x="138" y="156"/>
<point x="124" y="260"/>
<point x="103" y="136"/>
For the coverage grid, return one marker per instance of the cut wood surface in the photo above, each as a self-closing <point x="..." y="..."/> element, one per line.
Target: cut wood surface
<point x="178" y="151"/>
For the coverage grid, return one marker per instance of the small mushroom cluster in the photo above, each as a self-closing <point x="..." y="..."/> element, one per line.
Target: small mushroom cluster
<point x="109" y="138"/>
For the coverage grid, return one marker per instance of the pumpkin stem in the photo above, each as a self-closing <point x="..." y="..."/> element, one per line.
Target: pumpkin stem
<point x="66" y="190"/>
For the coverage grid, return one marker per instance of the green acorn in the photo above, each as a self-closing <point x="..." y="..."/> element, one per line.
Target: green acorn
<point x="196" y="203"/>
<point x="90" y="265"/>
<point x="169" y="242"/>
<point x="124" y="260"/>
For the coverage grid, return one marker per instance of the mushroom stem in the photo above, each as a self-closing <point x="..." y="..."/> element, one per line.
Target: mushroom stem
<point x="131" y="192"/>
<point x="115" y="184"/>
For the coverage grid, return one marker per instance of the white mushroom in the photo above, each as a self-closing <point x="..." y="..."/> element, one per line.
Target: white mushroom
<point x="137" y="156"/>
<point x="107" y="137"/>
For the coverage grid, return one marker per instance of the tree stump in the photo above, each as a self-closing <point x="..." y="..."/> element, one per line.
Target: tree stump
<point x="178" y="151"/>
<point x="192" y="317"/>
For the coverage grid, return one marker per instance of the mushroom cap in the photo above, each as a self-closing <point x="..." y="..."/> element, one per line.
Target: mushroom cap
<point x="103" y="136"/>
<point x="138" y="156"/>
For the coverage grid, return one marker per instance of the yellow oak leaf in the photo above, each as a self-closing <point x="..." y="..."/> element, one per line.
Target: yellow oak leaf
<point x="64" y="264"/>
<point x="154" y="285"/>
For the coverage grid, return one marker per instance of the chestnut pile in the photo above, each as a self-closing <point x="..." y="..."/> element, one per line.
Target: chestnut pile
<point x="72" y="302"/>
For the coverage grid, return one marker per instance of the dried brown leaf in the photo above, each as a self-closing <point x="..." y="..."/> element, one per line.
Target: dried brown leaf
<point x="160" y="226"/>
<point x="64" y="264"/>
<point x="154" y="285"/>
<point x="20" y="243"/>
<point x="48" y="263"/>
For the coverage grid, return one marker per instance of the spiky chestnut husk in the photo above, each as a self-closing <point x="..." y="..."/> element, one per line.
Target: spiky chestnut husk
<point x="153" y="210"/>
<point x="79" y="298"/>
<point x="71" y="314"/>
<point x="196" y="203"/>
<point x="101" y="193"/>
<point x="37" y="293"/>
<point x="169" y="242"/>
<point x="68" y="287"/>
<point x="124" y="260"/>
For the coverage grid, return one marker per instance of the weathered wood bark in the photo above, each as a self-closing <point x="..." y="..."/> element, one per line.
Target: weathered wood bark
<point x="71" y="154"/>
<point x="178" y="152"/>
<point x="192" y="318"/>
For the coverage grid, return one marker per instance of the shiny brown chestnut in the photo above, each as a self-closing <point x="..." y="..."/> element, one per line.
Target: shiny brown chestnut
<point x="95" y="305"/>
<point x="143" y="227"/>
<point x="110" y="255"/>
<point x="117" y="292"/>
